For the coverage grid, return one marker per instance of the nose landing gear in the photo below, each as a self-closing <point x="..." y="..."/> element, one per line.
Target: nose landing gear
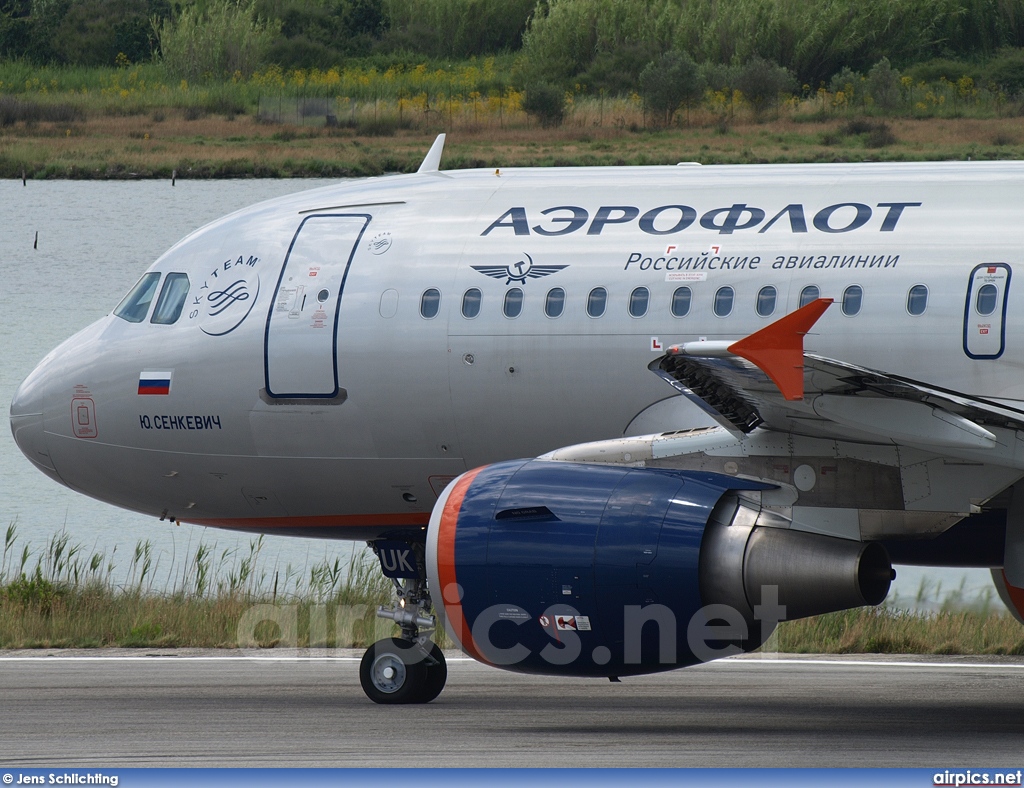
<point x="409" y="669"/>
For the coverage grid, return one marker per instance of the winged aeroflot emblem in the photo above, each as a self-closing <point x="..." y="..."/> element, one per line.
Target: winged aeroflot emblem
<point x="518" y="272"/>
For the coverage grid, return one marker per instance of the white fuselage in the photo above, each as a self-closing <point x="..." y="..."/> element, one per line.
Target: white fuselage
<point x="322" y="375"/>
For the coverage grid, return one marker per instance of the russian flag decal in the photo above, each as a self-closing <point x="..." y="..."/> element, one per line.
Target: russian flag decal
<point x="155" y="381"/>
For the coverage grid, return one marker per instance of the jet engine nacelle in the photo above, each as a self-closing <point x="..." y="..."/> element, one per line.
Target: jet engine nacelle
<point x="590" y="570"/>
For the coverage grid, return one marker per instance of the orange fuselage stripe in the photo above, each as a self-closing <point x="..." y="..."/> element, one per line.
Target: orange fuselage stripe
<point x="317" y="521"/>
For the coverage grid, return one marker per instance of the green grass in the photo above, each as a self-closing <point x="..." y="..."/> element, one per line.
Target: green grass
<point x="887" y="631"/>
<point x="63" y="596"/>
<point x="136" y="122"/>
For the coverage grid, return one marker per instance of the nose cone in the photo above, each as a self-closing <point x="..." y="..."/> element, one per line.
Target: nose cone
<point x="27" y="412"/>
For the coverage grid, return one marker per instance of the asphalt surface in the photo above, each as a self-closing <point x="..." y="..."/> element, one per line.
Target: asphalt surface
<point x="138" y="708"/>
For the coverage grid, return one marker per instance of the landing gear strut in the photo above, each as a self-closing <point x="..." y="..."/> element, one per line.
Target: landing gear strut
<point x="409" y="669"/>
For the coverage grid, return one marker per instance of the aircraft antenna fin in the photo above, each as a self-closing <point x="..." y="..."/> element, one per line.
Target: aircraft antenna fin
<point x="778" y="349"/>
<point x="432" y="161"/>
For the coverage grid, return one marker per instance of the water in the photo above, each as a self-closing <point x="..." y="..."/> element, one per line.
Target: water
<point x="94" y="240"/>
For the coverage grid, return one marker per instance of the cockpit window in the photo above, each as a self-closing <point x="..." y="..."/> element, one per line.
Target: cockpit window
<point x="135" y="305"/>
<point x="171" y="300"/>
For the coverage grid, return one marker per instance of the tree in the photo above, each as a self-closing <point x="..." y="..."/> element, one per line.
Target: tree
<point x="762" y="81"/>
<point x="884" y="84"/>
<point x="670" y="81"/>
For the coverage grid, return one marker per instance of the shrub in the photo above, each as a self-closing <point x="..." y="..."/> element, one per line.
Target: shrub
<point x="943" y="68"/>
<point x="875" y="135"/>
<point x="322" y="34"/>
<point x="456" y="28"/>
<point x="846" y="81"/>
<point x="1007" y="71"/>
<point x="13" y="110"/>
<point x="94" y="32"/>
<point x="224" y="39"/>
<point x="720" y="77"/>
<point x="880" y="136"/>
<point x="546" y="103"/>
<point x="616" y="71"/>
<point x="35" y="590"/>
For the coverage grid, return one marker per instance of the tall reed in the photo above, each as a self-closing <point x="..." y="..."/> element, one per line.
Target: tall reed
<point x="65" y="596"/>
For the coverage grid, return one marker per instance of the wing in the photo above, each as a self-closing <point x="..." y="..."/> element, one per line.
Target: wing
<point x="767" y="379"/>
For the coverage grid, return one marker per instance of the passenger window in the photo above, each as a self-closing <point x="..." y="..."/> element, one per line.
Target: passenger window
<point x="852" y="297"/>
<point x="135" y="305"/>
<point x="766" y="298"/>
<point x="430" y="303"/>
<point x="513" y="302"/>
<point x="638" y="301"/>
<point x="723" y="301"/>
<point x="555" y="302"/>
<point x="917" y="300"/>
<point x="681" y="302"/>
<point x="471" y="303"/>
<point x="987" y="297"/>
<point x="808" y="294"/>
<point x="172" y="299"/>
<point x="596" y="301"/>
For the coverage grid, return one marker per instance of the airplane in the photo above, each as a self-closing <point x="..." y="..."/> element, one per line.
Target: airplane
<point x="594" y="421"/>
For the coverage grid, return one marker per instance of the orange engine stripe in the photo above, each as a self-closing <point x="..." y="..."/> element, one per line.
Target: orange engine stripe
<point x="1016" y="595"/>
<point x="446" y="564"/>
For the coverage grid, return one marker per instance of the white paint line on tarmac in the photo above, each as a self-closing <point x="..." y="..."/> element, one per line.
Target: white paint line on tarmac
<point x="752" y="662"/>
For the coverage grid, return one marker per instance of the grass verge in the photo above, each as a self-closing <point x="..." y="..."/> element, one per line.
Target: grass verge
<point x="886" y="631"/>
<point x="113" y="147"/>
<point x="62" y="597"/>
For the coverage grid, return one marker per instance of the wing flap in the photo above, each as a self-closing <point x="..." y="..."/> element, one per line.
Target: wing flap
<point x="769" y="380"/>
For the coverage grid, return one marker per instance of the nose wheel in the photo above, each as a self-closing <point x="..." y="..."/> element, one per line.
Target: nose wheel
<point x="395" y="670"/>
<point x="409" y="669"/>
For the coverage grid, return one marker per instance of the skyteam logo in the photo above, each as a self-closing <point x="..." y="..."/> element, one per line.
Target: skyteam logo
<point x="519" y="271"/>
<point x="228" y="306"/>
<point x="227" y="296"/>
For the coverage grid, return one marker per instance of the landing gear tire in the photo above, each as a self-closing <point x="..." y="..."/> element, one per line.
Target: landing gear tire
<point x="390" y="673"/>
<point x="436" y="675"/>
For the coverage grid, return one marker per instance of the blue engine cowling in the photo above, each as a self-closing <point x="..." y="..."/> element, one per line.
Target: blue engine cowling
<point x="590" y="570"/>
